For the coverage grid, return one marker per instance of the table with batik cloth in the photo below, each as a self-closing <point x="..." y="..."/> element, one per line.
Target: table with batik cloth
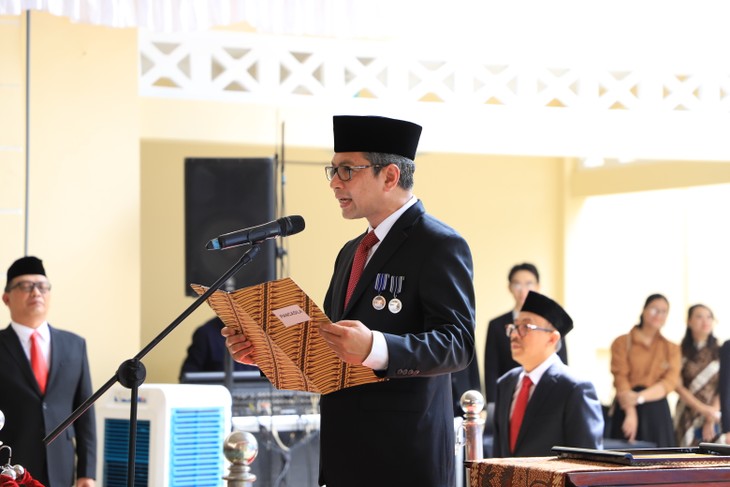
<point x="558" y="472"/>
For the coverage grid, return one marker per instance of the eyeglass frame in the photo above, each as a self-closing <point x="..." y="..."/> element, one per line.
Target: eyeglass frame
<point x="528" y="327"/>
<point x="654" y="311"/>
<point x="43" y="287"/>
<point x="518" y="286"/>
<point x="330" y="171"/>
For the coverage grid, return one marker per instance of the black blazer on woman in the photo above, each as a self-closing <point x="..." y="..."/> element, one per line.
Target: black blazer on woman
<point x="401" y="432"/>
<point x="30" y="416"/>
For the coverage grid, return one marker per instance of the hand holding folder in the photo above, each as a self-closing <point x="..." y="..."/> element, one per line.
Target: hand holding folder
<point x="282" y="322"/>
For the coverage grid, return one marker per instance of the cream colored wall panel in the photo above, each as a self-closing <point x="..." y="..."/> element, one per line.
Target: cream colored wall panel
<point x="12" y="51"/>
<point x="12" y="182"/>
<point x="84" y="183"/>
<point x="12" y="121"/>
<point x="12" y="137"/>
<point x="647" y="176"/>
<point x="11" y="247"/>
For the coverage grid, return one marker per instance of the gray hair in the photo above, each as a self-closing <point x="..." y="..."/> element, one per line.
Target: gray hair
<point x="407" y="166"/>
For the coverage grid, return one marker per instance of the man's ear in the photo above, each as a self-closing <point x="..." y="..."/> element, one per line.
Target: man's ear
<point x="6" y="298"/>
<point x="392" y="175"/>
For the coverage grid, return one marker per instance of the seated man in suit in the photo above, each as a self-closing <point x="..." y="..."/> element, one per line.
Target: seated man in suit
<point x="542" y="403"/>
<point x="207" y="351"/>
<point x="522" y="278"/>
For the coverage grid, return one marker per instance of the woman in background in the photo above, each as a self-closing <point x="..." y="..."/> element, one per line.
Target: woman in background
<point x="645" y="368"/>
<point x="697" y="417"/>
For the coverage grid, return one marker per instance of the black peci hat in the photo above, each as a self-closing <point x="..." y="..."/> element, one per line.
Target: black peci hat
<point x="375" y="134"/>
<point x="25" y="265"/>
<point x="550" y="310"/>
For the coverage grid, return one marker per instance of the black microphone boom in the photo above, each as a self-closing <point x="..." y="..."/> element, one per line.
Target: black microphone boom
<point x="283" y="227"/>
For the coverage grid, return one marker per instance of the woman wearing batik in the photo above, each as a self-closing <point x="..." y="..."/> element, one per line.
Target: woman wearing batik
<point x="697" y="416"/>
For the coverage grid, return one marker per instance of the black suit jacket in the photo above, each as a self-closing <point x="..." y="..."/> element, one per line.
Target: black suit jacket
<point x="401" y="431"/>
<point x="563" y="410"/>
<point x="30" y="416"/>
<point x="207" y="351"/>
<point x="462" y="381"/>
<point x="498" y="355"/>
<point x="725" y="387"/>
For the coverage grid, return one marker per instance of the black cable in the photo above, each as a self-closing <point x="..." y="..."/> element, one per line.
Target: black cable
<point x="286" y="461"/>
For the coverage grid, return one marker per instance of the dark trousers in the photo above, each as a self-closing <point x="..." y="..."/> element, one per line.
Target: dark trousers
<point x="655" y="422"/>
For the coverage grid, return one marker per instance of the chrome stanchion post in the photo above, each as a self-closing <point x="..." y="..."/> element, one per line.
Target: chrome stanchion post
<point x="240" y="448"/>
<point x="472" y="403"/>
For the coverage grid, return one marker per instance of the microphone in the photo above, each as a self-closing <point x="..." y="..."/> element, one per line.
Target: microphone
<point x="283" y="227"/>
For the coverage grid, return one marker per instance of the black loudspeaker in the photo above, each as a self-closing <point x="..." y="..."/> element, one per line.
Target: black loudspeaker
<point x="221" y="196"/>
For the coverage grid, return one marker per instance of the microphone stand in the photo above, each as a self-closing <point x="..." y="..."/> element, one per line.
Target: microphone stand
<point x="131" y="373"/>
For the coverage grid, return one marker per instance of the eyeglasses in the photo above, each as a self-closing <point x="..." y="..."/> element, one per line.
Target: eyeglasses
<point x="657" y="311"/>
<point x="524" y="329"/>
<point x="519" y="286"/>
<point x="344" y="172"/>
<point x="28" y="286"/>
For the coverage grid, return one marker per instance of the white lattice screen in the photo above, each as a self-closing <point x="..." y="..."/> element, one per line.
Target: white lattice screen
<point x="281" y="70"/>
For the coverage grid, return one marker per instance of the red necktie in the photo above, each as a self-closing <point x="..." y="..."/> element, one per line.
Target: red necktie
<point x="358" y="263"/>
<point x="38" y="362"/>
<point x="518" y="413"/>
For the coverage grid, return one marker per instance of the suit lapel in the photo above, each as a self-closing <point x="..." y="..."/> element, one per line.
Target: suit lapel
<point x="395" y="238"/>
<point x="538" y="399"/>
<point x="57" y="357"/>
<point x="10" y="344"/>
<point x="343" y="268"/>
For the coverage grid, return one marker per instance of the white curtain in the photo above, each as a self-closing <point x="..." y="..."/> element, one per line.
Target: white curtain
<point x="156" y="15"/>
<point x="335" y="18"/>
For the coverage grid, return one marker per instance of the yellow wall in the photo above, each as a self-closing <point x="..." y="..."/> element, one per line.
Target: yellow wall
<point x="84" y="179"/>
<point x="12" y="135"/>
<point x="647" y="176"/>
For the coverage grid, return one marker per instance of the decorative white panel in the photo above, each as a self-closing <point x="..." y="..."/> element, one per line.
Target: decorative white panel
<point x="527" y="107"/>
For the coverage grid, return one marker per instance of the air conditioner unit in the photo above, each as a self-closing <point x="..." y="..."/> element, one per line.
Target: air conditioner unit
<point x="180" y="433"/>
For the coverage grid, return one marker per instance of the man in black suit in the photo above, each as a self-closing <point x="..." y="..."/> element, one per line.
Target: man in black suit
<point x="207" y="351"/>
<point x="409" y="317"/>
<point x="522" y="279"/>
<point x="725" y="392"/>
<point x="542" y="403"/>
<point x="35" y="403"/>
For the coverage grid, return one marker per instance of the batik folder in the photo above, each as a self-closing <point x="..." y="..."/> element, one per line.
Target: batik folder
<point x="282" y="323"/>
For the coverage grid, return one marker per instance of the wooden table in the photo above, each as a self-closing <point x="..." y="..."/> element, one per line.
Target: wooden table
<point x="554" y="472"/>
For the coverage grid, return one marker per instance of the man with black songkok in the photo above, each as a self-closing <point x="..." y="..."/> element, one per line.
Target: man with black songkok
<point x="522" y="279"/>
<point x="542" y="403"/>
<point x="409" y="317"/>
<point x="44" y="377"/>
